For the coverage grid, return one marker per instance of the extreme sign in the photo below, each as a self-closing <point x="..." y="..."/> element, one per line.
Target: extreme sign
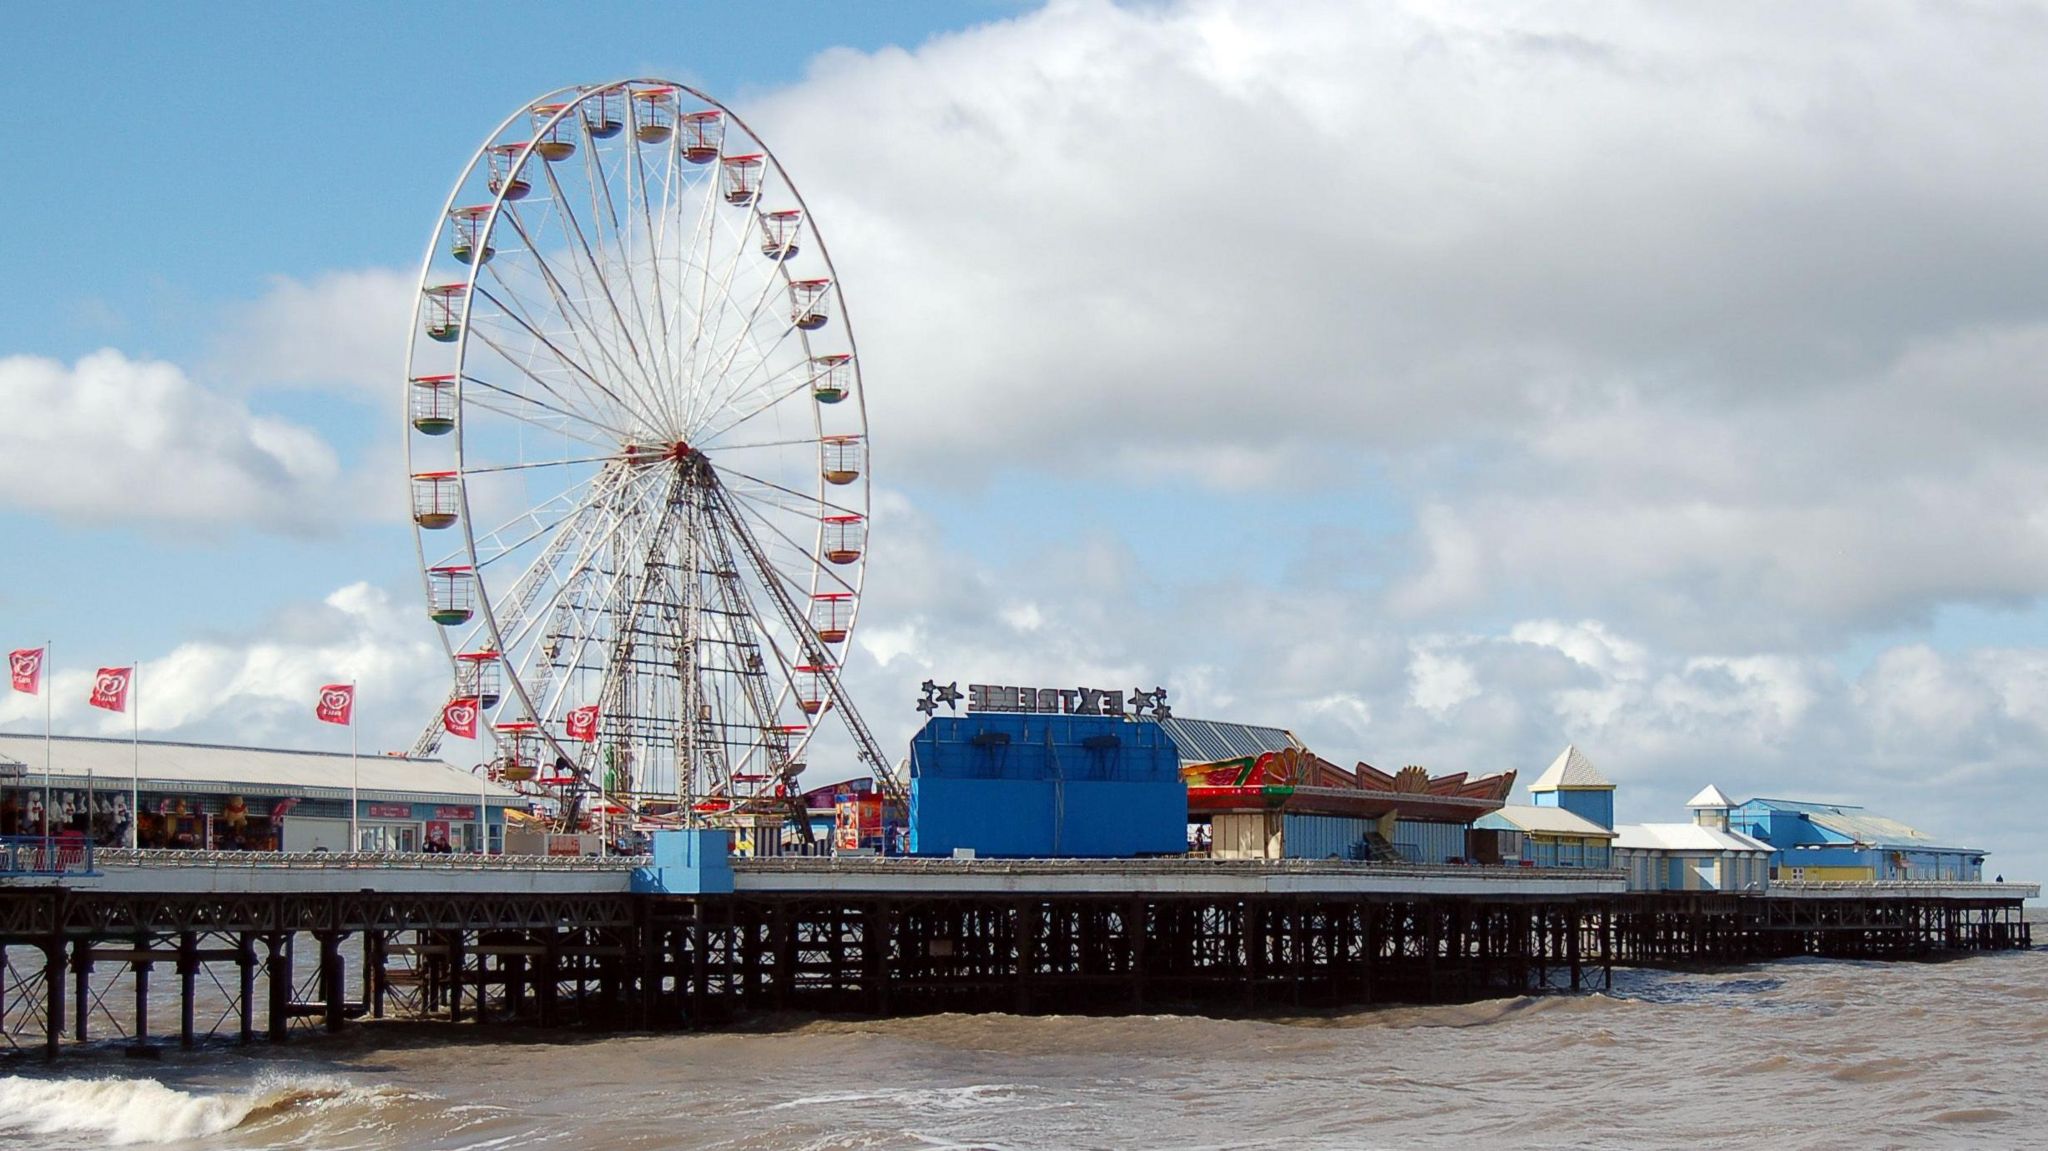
<point x="988" y="697"/>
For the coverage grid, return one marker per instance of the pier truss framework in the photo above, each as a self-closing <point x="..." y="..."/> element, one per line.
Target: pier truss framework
<point x="133" y="969"/>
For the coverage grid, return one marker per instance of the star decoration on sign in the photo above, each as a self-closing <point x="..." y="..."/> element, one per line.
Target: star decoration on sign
<point x="934" y="695"/>
<point x="1155" y="700"/>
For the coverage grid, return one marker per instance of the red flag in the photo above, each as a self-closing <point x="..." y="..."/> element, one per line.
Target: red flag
<point x="583" y="723"/>
<point x="459" y="717"/>
<point x="27" y="667"/>
<point x="337" y="703"/>
<point x="110" y="688"/>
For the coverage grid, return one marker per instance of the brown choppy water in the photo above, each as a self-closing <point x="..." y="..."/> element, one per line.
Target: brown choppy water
<point x="1803" y="1054"/>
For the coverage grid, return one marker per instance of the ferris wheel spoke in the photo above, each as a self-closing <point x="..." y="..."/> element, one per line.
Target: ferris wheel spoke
<point x="623" y="232"/>
<point x="562" y="407"/>
<point x="750" y="325"/>
<point x="531" y="465"/>
<point x="561" y="508"/>
<point x="566" y="583"/>
<point x="654" y="245"/>
<point x="741" y="506"/>
<point x="564" y="427"/>
<point x="583" y="377"/>
<point x="696" y="254"/>
<point x="779" y="274"/>
<point x="783" y="593"/>
<point x="806" y="499"/>
<point x="757" y="445"/>
<point x="604" y="266"/>
<point x="594" y="167"/>
<point x="575" y="366"/>
<point x="580" y="323"/>
<point x="741" y="384"/>
<point x="771" y="404"/>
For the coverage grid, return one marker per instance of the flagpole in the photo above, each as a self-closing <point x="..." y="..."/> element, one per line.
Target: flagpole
<point x="43" y="682"/>
<point x="483" y="802"/>
<point x="355" y="762"/>
<point x="135" y="736"/>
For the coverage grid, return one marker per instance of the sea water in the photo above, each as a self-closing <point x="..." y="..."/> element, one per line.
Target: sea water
<point x="1798" y="1054"/>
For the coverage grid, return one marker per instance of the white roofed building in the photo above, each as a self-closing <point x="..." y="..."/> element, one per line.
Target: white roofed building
<point x="1691" y="857"/>
<point x="1553" y="836"/>
<point x="210" y="796"/>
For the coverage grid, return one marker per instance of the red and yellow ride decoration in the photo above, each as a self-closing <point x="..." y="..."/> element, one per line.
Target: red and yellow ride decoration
<point x="1296" y="779"/>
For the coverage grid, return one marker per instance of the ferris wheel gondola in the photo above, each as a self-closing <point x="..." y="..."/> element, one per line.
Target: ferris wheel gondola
<point x="637" y="442"/>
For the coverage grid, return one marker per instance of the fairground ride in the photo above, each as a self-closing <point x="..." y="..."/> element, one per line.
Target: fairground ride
<point x="637" y="440"/>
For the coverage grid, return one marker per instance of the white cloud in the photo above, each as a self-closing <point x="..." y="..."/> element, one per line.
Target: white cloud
<point x="1716" y="326"/>
<point x="343" y="331"/>
<point x="1440" y="682"/>
<point x="110" y="438"/>
<point x="257" y="688"/>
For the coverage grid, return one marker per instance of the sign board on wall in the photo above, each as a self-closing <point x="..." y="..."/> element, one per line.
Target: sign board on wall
<point x="989" y="697"/>
<point x="389" y="811"/>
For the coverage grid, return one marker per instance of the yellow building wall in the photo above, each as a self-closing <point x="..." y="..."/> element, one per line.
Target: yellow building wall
<point x="1834" y="874"/>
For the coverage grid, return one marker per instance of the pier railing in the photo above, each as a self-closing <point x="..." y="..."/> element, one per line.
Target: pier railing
<point x="358" y="860"/>
<point x="44" y="855"/>
<point x="1905" y="887"/>
<point x="1174" y="865"/>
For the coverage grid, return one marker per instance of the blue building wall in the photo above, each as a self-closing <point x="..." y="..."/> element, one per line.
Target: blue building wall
<point x="1594" y="804"/>
<point x="1804" y="844"/>
<point x="697" y="861"/>
<point x="1323" y="836"/>
<point x="1045" y="785"/>
<point x="1425" y="842"/>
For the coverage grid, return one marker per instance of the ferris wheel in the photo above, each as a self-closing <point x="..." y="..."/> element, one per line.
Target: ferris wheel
<point x="636" y="437"/>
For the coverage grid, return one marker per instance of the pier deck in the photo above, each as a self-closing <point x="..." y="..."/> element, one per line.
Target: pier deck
<point x="258" y="946"/>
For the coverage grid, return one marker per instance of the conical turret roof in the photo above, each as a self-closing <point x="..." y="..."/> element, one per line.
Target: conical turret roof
<point x="1710" y="797"/>
<point x="1571" y="770"/>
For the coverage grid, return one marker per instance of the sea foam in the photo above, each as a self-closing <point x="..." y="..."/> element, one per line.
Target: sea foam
<point x="122" y="1111"/>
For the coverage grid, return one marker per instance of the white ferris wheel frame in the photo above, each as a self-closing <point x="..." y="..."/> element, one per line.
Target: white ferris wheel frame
<point x="568" y="104"/>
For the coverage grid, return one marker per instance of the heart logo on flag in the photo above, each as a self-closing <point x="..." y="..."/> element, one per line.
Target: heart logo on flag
<point x="459" y="718"/>
<point x="27" y="668"/>
<point x="582" y="723"/>
<point x="110" y="688"/>
<point x="337" y="700"/>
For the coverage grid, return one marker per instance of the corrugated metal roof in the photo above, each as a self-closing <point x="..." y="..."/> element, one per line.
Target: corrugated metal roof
<point x="265" y="771"/>
<point x="1863" y="827"/>
<point x="1857" y="825"/>
<point x="1208" y="740"/>
<point x="1684" y="837"/>
<point x="1571" y="768"/>
<point x="1547" y="821"/>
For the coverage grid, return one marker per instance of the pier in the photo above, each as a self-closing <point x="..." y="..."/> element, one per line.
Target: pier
<point x="183" y="947"/>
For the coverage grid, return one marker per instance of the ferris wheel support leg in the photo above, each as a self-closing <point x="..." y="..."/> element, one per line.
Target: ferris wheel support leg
<point x="867" y="749"/>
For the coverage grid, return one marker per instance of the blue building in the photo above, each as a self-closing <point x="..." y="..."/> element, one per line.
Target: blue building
<point x="1834" y="841"/>
<point x="1569" y="819"/>
<point x="1572" y="783"/>
<point x="1703" y="855"/>
<point x="1042" y="785"/>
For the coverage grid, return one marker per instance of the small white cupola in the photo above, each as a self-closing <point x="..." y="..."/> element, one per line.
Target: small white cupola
<point x="1710" y="808"/>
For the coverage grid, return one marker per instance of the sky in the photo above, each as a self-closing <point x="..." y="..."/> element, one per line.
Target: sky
<point x="1444" y="384"/>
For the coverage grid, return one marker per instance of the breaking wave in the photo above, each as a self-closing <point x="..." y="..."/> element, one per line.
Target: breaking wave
<point x="126" y="1112"/>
